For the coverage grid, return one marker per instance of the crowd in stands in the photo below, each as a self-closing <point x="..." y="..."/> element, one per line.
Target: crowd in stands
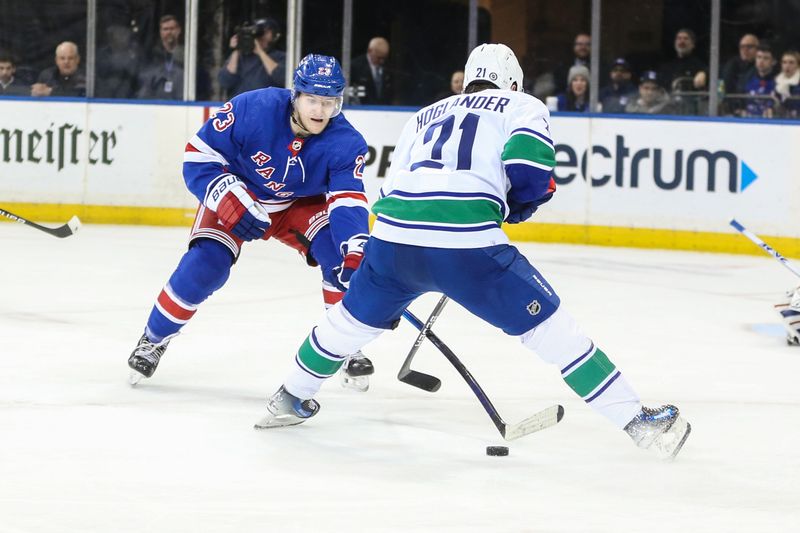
<point x="753" y="83"/>
<point x="757" y="82"/>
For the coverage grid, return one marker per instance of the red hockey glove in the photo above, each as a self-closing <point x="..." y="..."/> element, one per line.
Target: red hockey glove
<point x="237" y="209"/>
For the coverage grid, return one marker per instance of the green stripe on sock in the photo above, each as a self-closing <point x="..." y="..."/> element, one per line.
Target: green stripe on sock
<point x="319" y="364"/>
<point x="530" y="148"/>
<point x="460" y="211"/>
<point x="590" y="373"/>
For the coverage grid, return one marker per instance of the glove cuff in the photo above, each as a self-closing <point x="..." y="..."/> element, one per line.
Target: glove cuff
<point x="218" y="188"/>
<point x="354" y="245"/>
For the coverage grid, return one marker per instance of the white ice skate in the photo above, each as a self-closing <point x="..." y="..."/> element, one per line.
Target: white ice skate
<point x="285" y="409"/>
<point x="661" y="429"/>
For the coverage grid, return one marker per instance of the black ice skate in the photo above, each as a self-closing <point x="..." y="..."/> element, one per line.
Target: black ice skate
<point x="661" y="429"/>
<point x="285" y="409"/>
<point x="356" y="371"/>
<point x="145" y="357"/>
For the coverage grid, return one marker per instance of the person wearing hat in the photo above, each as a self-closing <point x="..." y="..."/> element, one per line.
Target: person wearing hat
<point x="616" y="95"/>
<point x="581" y="56"/>
<point x="576" y="97"/>
<point x="259" y="67"/>
<point x="653" y="99"/>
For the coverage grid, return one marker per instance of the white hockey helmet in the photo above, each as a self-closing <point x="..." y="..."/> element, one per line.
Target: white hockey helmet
<point x="495" y="63"/>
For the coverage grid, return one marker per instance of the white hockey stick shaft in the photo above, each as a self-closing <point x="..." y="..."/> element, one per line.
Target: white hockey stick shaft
<point x="764" y="246"/>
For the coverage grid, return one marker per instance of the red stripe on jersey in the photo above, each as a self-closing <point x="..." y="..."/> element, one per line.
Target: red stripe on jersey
<point x="331" y="297"/>
<point x="357" y="195"/>
<point x="174" y="308"/>
<point x="190" y="148"/>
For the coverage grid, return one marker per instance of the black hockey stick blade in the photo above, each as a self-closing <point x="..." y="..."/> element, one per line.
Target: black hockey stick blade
<point x="415" y="378"/>
<point x="62" y="231"/>
<point x="420" y="380"/>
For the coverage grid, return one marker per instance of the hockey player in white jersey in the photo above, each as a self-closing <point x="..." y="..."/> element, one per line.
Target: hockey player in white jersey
<point x="461" y="168"/>
<point x="789" y="309"/>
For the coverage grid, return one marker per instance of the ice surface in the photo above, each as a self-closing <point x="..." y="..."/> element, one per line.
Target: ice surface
<point x="82" y="451"/>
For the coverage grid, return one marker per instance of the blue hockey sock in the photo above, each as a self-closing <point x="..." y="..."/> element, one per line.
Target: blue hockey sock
<point x="203" y="269"/>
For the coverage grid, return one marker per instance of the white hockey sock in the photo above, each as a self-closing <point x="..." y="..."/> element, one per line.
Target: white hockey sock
<point x="325" y="349"/>
<point x="584" y="367"/>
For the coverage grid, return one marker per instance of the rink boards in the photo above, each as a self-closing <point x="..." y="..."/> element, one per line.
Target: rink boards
<point x="629" y="181"/>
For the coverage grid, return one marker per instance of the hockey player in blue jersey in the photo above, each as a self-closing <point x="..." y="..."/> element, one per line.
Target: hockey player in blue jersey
<point x="271" y="163"/>
<point x="461" y="167"/>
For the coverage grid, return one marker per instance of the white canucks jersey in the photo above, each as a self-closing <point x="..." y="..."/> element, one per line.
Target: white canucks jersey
<point x="457" y="165"/>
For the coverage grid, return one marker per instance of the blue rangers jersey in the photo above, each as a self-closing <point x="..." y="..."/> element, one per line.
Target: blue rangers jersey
<point x="251" y="138"/>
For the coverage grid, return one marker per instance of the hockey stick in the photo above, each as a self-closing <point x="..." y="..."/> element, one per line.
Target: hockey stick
<point x="536" y="422"/>
<point x="62" y="231"/>
<point x="766" y="247"/>
<point x="414" y="378"/>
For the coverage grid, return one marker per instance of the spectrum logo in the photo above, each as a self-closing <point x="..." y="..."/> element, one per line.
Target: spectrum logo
<point x="690" y="170"/>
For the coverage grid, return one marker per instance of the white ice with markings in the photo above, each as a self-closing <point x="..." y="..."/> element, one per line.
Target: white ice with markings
<point x="81" y="450"/>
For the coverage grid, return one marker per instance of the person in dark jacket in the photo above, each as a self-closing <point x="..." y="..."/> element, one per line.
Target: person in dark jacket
<point x="617" y="94"/>
<point x="9" y="84"/>
<point x="262" y="66"/>
<point x="63" y="79"/>
<point x="369" y="71"/>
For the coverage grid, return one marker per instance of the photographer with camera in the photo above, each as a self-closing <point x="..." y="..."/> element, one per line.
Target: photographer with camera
<point x="254" y="63"/>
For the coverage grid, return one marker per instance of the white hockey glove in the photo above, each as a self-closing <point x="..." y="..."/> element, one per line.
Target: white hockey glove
<point x="353" y="252"/>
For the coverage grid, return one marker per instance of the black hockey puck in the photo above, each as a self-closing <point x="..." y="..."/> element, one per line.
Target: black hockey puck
<point x="498" y="451"/>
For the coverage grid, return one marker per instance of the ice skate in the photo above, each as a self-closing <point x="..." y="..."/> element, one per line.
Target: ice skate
<point x="285" y="409"/>
<point x="145" y="357"/>
<point x="661" y="429"/>
<point x="356" y="371"/>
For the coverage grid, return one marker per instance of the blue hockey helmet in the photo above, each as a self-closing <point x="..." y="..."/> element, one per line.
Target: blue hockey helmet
<point x="321" y="76"/>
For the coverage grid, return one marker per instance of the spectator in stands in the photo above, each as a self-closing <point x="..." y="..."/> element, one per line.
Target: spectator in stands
<point x="792" y="107"/>
<point x="63" y="79"/>
<point x="457" y="82"/>
<point x="617" y="94"/>
<point x="576" y="97"/>
<point x="117" y="64"/>
<point x="789" y="74"/>
<point x="653" y="99"/>
<point x="582" y="51"/>
<point x="686" y="72"/>
<point x="370" y="72"/>
<point x="736" y="70"/>
<point x="761" y="83"/>
<point x="162" y="78"/>
<point x="456" y="86"/>
<point x="254" y="62"/>
<point x="9" y="84"/>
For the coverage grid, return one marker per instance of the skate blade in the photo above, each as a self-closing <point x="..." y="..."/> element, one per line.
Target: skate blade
<point x="669" y="443"/>
<point x="356" y="383"/>
<point x="134" y="378"/>
<point x="270" y="422"/>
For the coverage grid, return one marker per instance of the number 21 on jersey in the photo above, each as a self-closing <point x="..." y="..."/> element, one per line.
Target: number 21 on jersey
<point x="442" y="130"/>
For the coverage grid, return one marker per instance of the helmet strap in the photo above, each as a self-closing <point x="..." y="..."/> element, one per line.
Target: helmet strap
<point x="304" y="132"/>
